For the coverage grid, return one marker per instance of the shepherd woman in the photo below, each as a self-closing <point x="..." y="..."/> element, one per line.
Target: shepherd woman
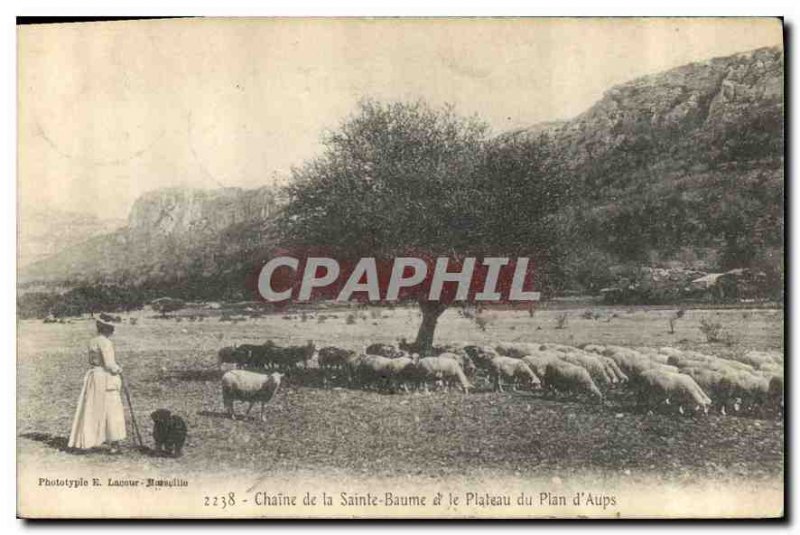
<point x="100" y="417"/>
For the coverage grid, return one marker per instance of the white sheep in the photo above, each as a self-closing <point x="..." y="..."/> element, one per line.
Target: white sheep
<point x="516" y="350"/>
<point x="656" y="386"/>
<point x="242" y="385"/>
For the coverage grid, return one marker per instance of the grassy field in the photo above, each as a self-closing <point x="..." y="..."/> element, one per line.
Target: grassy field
<point x="172" y="364"/>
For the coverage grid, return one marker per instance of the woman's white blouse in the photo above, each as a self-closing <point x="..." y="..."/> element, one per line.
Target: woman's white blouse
<point x="101" y="353"/>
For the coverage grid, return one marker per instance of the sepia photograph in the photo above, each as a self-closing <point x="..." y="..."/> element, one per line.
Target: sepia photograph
<point x="401" y="268"/>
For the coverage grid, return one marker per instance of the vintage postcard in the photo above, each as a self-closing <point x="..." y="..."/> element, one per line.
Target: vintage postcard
<point x="401" y="268"/>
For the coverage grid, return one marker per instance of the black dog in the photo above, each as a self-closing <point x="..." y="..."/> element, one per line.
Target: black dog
<point x="169" y="432"/>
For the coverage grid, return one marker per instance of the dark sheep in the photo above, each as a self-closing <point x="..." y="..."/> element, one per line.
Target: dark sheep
<point x="169" y="432"/>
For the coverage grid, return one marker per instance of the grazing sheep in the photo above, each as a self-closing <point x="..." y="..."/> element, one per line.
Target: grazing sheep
<point x="732" y="388"/>
<point x="263" y="356"/>
<point x="383" y="372"/>
<point x="549" y="346"/>
<point x="758" y="358"/>
<point x="538" y="362"/>
<point x="226" y="355"/>
<point x="685" y="361"/>
<point x="374" y="371"/>
<point x="652" y="354"/>
<point x="711" y="383"/>
<point x="513" y="370"/>
<point x="736" y="365"/>
<point x="655" y="387"/>
<point x="613" y="369"/>
<point x="516" y="350"/>
<point x="632" y="363"/>
<point x="593" y="348"/>
<point x="249" y="355"/>
<point x="239" y="356"/>
<point x="670" y="352"/>
<point x="593" y="365"/>
<point x="352" y="367"/>
<point x="463" y="360"/>
<point x="272" y="356"/>
<point x="402" y="371"/>
<point x="699" y="360"/>
<point x="242" y="385"/>
<point x="751" y="391"/>
<point x="333" y="359"/>
<point x="242" y="356"/>
<point x="664" y="367"/>
<point x="446" y="370"/>
<point x="562" y="376"/>
<point x="288" y="358"/>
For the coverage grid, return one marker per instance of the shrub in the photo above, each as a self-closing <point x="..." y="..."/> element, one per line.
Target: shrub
<point x="561" y="320"/>
<point x="712" y="330"/>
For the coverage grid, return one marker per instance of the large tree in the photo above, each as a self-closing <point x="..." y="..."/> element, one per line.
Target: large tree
<point x="407" y="177"/>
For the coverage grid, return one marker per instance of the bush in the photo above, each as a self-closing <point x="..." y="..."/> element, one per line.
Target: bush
<point x="712" y="330"/>
<point x="561" y="320"/>
<point x="80" y="300"/>
<point x="165" y="305"/>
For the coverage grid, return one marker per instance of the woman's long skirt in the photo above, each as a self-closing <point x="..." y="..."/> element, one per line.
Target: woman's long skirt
<point x="100" y="416"/>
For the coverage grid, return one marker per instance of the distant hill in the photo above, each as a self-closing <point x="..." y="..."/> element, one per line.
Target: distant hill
<point x="186" y="240"/>
<point x="46" y="232"/>
<point x="681" y="166"/>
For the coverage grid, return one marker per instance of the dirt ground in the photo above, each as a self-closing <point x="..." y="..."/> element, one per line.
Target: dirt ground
<point x="172" y="364"/>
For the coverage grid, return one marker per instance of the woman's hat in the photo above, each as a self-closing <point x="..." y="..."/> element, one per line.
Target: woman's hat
<point x="105" y="321"/>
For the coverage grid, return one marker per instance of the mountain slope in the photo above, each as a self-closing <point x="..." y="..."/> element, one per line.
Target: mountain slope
<point x="685" y="164"/>
<point x="46" y="232"/>
<point x="173" y="238"/>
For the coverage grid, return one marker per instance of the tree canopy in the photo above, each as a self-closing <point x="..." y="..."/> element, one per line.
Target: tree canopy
<point x="408" y="176"/>
<point x="396" y="178"/>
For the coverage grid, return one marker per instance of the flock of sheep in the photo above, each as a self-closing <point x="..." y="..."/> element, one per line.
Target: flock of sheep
<point x="661" y="379"/>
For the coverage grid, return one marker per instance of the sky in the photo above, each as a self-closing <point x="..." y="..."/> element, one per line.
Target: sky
<point x="108" y="111"/>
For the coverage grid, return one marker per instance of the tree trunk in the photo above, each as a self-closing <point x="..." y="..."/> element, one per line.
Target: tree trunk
<point x="430" y="316"/>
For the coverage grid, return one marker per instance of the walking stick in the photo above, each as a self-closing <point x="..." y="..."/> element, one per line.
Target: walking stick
<point x="133" y="416"/>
